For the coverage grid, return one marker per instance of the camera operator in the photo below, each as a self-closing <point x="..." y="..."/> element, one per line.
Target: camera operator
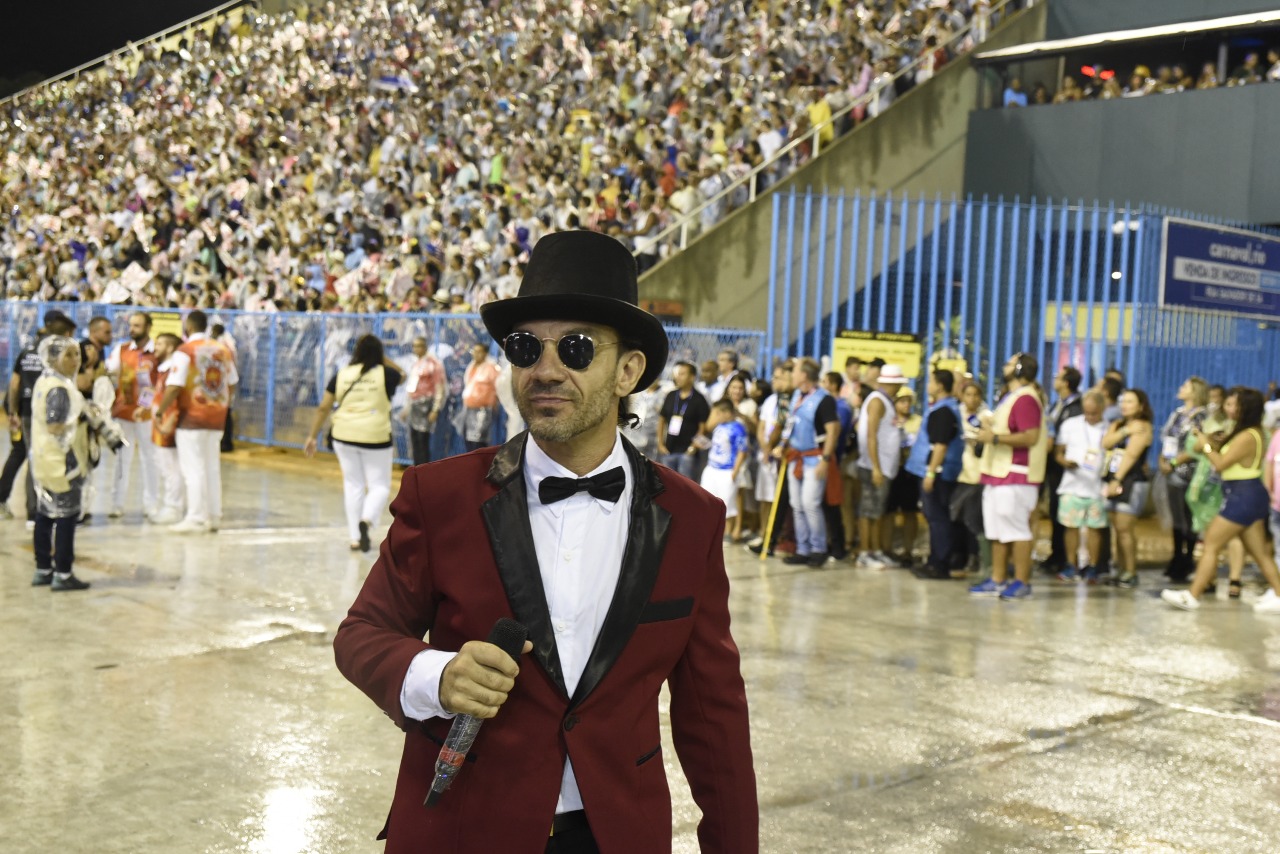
<point x="59" y="462"/>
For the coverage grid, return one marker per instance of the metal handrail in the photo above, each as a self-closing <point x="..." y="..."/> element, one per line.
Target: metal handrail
<point x="131" y="47"/>
<point x="682" y="225"/>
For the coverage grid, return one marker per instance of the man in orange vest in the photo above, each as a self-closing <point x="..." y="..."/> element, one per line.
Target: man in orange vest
<point x="201" y="384"/>
<point x="479" y="398"/>
<point x="164" y="439"/>
<point x="132" y="364"/>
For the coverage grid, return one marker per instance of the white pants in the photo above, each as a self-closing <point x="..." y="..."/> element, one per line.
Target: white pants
<point x="138" y="435"/>
<point x="202" y="473"/>
<point x="366" y="484"/>
<point x="170" y="477"/>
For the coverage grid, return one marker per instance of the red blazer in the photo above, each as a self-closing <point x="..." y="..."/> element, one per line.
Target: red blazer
<point x="460" y="555"/>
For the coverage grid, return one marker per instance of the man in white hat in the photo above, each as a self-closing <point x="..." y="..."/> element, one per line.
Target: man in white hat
<point x="879" y="447"/>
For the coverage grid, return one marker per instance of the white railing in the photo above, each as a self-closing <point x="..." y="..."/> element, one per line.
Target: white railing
<point x="188" y="24"/>
<point x="683" y="227"/>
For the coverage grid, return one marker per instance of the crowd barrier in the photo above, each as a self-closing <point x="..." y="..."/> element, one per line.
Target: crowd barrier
<point x="285" y="359"/>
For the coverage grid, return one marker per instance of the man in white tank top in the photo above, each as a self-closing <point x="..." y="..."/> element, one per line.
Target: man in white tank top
<point x="879" y="444"/>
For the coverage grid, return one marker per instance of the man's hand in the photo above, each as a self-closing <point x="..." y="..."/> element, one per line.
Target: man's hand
<point x="662" y="448"/>
<point x="479" y="678"/>
<point x="877" y="478"/>
<point x="1165" y="466"/>
<point x="985" y="436"/>
<point x="309" y="447"/>
<point x="927" y="485"/>
<point x="434" y="416"/>
<point x="15" y="421"/>
<point x="820" y="470"/>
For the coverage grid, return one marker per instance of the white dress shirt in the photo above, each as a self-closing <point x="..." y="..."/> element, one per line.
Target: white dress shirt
<point x="579" y="543"/>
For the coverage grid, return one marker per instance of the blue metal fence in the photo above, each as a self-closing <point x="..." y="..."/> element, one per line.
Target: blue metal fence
<point x="983" y="279"/>
<point x="285" y="359"/>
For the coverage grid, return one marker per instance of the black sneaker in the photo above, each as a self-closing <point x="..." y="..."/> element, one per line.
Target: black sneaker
<point x="796" y="560"/>
<point x="818" y="559"/>
<point x="931" y="573"/>
<point x="756" y="549"/>
<point x="1127" y="582"/>
<point x="365" y="544"/>
<point x="68" y="581"/>
<point x="42" y="578"/>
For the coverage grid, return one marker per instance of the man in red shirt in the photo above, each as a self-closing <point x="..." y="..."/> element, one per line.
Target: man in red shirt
<point x="1016" y="446"/>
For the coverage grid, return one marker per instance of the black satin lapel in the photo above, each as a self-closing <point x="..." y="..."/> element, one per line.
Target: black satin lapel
<point x="506" y="515"/>
<point x="646" y="543"/>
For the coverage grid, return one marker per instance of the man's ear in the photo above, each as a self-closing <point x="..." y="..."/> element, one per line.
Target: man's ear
<point x="630" y="368"/>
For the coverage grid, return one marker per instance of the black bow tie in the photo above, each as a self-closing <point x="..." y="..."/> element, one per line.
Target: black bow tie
<point x="607" y="486"/>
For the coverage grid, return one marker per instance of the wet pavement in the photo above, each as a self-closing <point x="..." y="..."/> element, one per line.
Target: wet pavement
<point x="188" y="701"/>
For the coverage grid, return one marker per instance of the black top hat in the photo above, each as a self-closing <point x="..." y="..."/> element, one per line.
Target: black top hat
<point x="588" y="276"/>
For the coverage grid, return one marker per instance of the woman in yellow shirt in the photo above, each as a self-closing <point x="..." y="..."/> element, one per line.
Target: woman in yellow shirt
<point x="1245" y="503"/>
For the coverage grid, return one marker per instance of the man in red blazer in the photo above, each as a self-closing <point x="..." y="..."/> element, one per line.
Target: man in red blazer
<point x="615" y="566"/>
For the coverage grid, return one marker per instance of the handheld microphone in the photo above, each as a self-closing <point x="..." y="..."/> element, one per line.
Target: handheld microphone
<point x="509" y="636"/>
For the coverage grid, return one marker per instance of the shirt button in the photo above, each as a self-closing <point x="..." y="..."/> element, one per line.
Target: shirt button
<point x="561" y="626"/>
<point x="568" y="556"/>
<point x="570" y="722"/>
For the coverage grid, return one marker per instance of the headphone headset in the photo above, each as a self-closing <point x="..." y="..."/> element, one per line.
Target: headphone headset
<point x="1023" y="371"/>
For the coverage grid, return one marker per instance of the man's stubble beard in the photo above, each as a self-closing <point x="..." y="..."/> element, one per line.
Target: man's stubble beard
<point x="585" y="414"/>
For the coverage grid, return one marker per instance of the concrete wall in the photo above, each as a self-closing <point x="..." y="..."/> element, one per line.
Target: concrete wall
<point x="918" y="146"/>
<point x="1211" y="152"/>
<point x="1070" y="18"/>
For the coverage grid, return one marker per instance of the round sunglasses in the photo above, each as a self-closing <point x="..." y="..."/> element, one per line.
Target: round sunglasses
<point x="575" y="350"/>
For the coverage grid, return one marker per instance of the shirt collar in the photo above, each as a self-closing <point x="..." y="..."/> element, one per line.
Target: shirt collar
<point x="149" y="347"/>
<point x="196" y="336"/>
<point x="538" y="466"/>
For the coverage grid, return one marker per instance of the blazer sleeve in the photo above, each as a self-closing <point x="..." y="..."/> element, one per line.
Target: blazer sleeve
<point x="384" y="628"/>
<point x="709" y="725"/>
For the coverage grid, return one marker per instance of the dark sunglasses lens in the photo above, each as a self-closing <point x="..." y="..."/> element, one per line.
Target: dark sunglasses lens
<point x="576" y="352"/>
<point x="523" y="349"/>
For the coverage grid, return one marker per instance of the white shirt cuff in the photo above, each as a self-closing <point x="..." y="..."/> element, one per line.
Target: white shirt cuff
<point x="420" y="694"/>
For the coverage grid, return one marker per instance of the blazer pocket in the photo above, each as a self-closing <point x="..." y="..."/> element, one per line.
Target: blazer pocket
<point x="648" y="756"/>
<point x="667" y="609"/>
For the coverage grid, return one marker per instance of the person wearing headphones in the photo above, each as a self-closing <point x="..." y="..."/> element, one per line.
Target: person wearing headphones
<point x="1013" y="466"/>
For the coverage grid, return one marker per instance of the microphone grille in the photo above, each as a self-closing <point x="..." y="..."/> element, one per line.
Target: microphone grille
<point x="509" y="636"/>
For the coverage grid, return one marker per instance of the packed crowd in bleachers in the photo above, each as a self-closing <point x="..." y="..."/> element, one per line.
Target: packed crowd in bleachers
<point x="405" y="156"/>
<point x="1099" y="83"/>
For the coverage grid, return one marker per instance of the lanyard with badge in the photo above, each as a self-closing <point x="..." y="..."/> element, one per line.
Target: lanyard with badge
<point x="791" y="418"/>
<point x="677" y="417"/>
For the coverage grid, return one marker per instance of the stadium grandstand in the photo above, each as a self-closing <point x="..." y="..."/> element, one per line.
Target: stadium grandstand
<point x="366" y="157"/>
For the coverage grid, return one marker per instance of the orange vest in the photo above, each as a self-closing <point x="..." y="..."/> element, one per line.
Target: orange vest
<point x="480" y="390"/>
<point x="163" y="429"/>
<point x="137" y="382"/>
<point x="204" y="400"/>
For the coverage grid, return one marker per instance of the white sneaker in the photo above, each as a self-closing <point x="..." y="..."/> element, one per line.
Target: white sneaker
<point x="1268" y="603"/>
<point x="31" y="524"/>
<point x="1183" y="599"/>
<point x="166" y="516"/>
<point x="870" y="560"/>
<point x="186" y="526"/>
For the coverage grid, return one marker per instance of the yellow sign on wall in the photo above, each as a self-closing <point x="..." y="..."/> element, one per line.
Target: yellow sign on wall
<point x="166" y="322"/>
<point x="896" y="348"/>
<point x="1105" y="325"/>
